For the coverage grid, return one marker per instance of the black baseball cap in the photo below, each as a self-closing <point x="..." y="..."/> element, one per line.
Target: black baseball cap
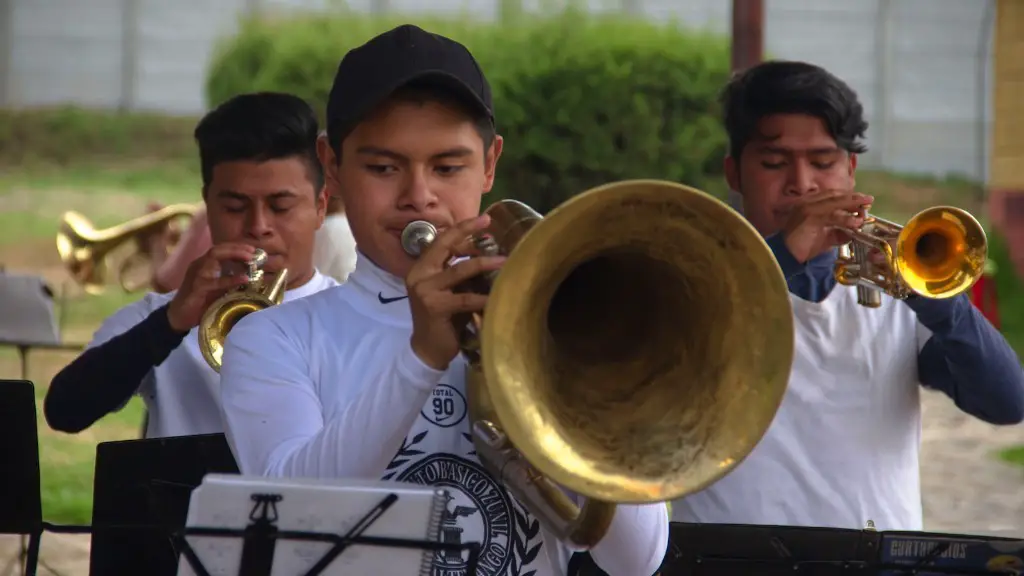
<point x="367" y="75"/>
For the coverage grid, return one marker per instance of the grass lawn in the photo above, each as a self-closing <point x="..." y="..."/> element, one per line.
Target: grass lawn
<point x="1013" y="455"/>
<point x="34" y="193"/>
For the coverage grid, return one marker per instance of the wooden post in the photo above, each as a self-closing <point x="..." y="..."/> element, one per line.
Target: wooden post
<point x="747" y="33"/>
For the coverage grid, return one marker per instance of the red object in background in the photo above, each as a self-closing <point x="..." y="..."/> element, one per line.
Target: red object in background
<point x="984" y="297"/>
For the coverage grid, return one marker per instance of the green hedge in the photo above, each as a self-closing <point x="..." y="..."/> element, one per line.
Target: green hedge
<point x="581" y="100"/>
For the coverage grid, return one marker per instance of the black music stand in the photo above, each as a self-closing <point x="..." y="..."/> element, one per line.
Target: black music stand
<point x="142" y="484"/>
<point x="27" y="321"/>
<point x="27" y="318"/>
<point x="22" y="512"/>
<point x="739" y="550"/>
<point x="261" y="535"/>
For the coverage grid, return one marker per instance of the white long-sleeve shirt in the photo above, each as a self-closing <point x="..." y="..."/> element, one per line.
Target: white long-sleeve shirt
<point x="843" y="448"/>
<point x="329" y="387"/>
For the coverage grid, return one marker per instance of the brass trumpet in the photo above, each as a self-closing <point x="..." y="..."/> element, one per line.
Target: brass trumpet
<point x="939" y="253"/>
<point x="227" y="310"/>
<point x="85" y="251"/>
<point x="635" y="347"/>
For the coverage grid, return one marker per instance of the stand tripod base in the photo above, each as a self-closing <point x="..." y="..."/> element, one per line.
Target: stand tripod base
<point x="27" y="558"/>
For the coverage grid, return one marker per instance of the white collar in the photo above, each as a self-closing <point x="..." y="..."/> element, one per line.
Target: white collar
<point x="379" y="293"/>
<point x="311" y="286"/>
<point x="373" y="279"/>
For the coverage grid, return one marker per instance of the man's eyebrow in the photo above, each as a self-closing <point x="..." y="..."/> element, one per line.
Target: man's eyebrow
<point x="233" y="195"/>
<point x="818" y="151"/>
<point x="456" y="152"/>
<point x="378" y="151"/>
<point x="282" y="194"/>
<point x="821" y="150"/>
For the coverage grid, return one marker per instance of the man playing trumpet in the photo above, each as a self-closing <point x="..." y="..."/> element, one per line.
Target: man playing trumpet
<point x="843" y="448"/>
<point x="366" y="381"/>
<point x="263" y="188"/>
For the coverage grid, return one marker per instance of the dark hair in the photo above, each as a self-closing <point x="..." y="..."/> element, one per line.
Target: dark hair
<point x="259" y="127"/>
<point x="782" y="87"/>
<point x="421" y="92"/>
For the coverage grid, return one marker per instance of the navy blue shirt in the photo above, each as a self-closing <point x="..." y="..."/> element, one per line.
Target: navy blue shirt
<point x="966" y="357"/>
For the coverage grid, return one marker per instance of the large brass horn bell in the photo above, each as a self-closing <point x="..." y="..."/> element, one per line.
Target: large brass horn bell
<point x="226" y="311"/>
<point x="635" y="347"/>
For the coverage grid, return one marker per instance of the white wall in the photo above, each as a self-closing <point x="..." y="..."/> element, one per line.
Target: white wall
<point x="922" y="67"/>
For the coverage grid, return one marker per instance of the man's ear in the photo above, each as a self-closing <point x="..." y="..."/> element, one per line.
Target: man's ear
<point x="853" y="170"/>
<point x="328" y="160"/>
<point x="321" y="203"/>
<point x="491" y="162"/>
<point x="732" y="173"/>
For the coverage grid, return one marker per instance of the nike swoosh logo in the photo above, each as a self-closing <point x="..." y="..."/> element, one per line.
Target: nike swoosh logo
<point x="383" y="300"/>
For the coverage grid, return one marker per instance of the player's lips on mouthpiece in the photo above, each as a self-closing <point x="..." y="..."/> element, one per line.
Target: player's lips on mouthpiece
<point x="398" y="229"/>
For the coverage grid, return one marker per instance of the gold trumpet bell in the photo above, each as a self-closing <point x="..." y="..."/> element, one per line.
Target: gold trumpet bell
<point x="85" y="250"/>
<point x="229" y="309"/>
<point x="941" y="252"/>
<point x="637" y="343"/>
<point x="75" y="240"/>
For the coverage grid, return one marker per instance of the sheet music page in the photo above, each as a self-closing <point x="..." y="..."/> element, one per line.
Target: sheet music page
<point x="223" y="501"/>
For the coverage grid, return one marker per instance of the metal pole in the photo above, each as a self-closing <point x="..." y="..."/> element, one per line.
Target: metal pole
<point x="129" y="53"/>
<point x="6" y="49"/>
<point x="633" y="7"/>
<point x="747" y="33"/>
<point x="884" y="26"/>
<point x="509" y="10"/>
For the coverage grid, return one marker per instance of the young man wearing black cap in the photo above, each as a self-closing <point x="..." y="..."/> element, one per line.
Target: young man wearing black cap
<point x="365" y="381"/>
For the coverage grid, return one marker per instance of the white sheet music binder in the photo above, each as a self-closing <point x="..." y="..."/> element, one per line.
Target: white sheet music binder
<point x="225" y="501"/>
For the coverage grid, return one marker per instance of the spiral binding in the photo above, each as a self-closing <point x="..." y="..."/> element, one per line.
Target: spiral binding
<point x="434" y="530"/>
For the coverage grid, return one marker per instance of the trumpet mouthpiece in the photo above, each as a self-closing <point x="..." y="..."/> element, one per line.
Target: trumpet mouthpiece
<point x="416" y="236"/>
<point x="259" y="259"/>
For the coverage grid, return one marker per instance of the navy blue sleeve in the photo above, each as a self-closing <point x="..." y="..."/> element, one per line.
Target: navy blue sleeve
<point x="969" y="360"/>
<point x="103" y="378"/>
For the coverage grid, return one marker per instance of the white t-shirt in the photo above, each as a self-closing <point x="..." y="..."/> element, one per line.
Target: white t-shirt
<point x="181" y="393"/>
<point x="329" y="387"/>
<point x="334" y="252"/>
<point x="843" y="448"/>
